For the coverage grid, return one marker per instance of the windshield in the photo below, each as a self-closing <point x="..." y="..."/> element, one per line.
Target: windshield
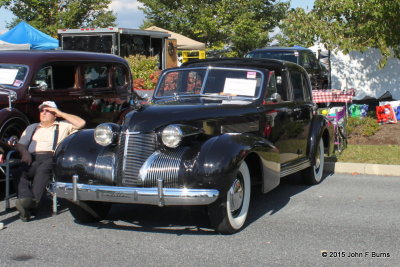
<point x="291" y="56"/>
<point x="13" y="75"/>
<point x="217" y="82"/>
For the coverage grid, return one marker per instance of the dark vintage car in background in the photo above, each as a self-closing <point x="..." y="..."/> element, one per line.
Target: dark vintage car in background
<point x="95" y="86"/>
<point x="214" y="129"/>
<point x="319" y="75"/>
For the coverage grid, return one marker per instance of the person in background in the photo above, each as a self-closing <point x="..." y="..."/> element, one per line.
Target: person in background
<point x="36" y="147"/>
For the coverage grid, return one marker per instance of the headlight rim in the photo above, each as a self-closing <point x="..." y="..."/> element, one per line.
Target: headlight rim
<point x="180" y="136"/>
<point x="112" y="134"/>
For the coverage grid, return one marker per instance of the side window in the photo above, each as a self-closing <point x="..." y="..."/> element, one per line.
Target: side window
<point x="120" y="76"/>
<point x="297" y="85"/>
<point x="56" y="77"/>
<point x="95" y="76"/>
<point x="312" y="60"/>
<point x="44" y="76"/>
<point x="272" y="85"/>
<point x="306" y="86"/>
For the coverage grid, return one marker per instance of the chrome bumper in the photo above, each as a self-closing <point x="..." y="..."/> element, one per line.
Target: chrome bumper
<point x="154" y="196"/>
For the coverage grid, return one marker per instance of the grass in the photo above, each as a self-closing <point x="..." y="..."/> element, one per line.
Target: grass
<point x="375" y="154"/>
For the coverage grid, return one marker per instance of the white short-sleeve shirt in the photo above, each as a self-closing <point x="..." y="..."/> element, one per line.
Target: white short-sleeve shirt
<point x="43" y="137"/>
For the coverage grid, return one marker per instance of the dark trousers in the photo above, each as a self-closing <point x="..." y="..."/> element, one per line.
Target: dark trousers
<point x="33" y="179"/>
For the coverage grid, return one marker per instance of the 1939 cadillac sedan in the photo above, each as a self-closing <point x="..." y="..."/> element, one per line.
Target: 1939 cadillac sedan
<point x="214" y="131"/>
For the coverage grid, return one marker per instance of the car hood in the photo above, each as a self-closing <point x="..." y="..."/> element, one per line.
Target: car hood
<point x="152" y="117"/>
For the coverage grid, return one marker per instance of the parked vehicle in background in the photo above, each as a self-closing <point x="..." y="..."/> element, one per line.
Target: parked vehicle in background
<point x="119" y="41"/>
<point x="214" y="129"/>
<point x="96" y="87"/>
<point x="305" y="57"/>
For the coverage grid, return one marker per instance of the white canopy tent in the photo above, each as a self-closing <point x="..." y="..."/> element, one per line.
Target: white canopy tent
<point x="183" y="42"/>
<point x="9" y="46"/>
<point x="360" y="71"/>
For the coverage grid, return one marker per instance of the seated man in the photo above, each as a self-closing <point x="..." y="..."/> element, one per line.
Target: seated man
<point x="36" y="147"/>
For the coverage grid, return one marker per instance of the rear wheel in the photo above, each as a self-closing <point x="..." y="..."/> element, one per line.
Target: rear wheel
<point x="228" y="214"/>
<point x="89" y="211"/>
<point x="313" y="174"/>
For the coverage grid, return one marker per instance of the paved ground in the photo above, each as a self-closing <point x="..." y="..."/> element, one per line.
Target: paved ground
<point x="353" y="218"/>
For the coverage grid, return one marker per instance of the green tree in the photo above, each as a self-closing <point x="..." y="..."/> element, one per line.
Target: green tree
<point x="242" y="25"/>
<point x="349" y="25"/>
<point x="50" y="15"/>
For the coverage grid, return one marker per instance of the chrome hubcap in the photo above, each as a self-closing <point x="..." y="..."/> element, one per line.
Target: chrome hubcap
<point x="236" y="194"/>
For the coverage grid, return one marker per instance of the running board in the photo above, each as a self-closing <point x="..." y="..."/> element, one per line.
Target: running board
<point x="295" y="167"/>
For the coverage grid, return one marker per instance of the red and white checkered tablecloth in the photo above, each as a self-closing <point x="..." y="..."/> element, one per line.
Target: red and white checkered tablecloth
<point x="328" y="96"/>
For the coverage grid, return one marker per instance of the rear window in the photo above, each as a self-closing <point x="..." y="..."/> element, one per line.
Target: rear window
<point x="291" y="56"/>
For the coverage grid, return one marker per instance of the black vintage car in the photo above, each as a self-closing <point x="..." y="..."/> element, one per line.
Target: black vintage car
<point x="213" y="130"/>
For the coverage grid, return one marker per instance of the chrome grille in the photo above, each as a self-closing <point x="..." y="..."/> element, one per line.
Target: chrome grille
<point x="134" y="149"/>
<point x="163" y="165"/>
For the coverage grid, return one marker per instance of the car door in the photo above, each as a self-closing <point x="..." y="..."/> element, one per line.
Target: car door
<point x="55" y="81"/>
<point x="303" y="111"/>
<point x="276" y="117"/>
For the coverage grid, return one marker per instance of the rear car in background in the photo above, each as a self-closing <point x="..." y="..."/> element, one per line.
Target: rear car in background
<point x="96" y="87"/>
<point x="304" y="57"/>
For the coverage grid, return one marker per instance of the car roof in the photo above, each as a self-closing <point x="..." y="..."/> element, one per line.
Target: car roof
<point x="264" y="63"/>
<point x="31" y="57"/>
<point x="282" y="48"/>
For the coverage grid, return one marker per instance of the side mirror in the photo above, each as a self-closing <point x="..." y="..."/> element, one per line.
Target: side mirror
<point x="42" y="86"/>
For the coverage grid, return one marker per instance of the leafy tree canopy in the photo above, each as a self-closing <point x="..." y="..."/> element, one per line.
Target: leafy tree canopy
<point x="242" y="25"/>
<point x="50" y="15"/>
<point x="348" y="25"/>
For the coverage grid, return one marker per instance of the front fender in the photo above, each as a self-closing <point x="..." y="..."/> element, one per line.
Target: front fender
<point x="219" y="158"/>
<point x="8" y="115"/>
<point x="80" y="154"/>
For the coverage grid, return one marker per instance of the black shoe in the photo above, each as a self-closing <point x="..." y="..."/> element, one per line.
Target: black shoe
<point x="24" y="213"/>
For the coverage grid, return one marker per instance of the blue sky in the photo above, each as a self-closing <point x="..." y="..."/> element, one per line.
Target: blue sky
<point x="128" y="15"/>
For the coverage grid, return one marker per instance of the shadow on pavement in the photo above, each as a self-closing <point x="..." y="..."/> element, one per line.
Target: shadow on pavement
<point x="194" y="220"/>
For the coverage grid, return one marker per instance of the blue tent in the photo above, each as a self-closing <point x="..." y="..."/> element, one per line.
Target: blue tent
<point x="24" y="33"/>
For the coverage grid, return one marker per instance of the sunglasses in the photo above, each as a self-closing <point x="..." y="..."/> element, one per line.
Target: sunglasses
<point x="44" y="110"/>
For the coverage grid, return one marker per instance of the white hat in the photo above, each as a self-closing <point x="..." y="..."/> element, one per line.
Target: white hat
<point x="48" y="104"/>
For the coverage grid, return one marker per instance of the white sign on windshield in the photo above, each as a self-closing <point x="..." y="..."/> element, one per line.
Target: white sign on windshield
<point x="7" y="76"/>
<point x="240" y="86"/>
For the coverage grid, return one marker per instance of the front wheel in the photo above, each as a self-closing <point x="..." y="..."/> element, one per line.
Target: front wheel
<point x="313" y="174"/>
<point x="228" y="214"/>
<point x="89" y="211"/>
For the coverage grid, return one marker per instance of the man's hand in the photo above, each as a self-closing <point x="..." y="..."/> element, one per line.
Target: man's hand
<point x="58" y="113"/>
<point x="27" y="158"/>
<point x="76" y="121"/>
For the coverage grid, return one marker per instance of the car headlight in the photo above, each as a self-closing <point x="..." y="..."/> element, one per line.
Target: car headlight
<point x="171" y="136"/>
<point x="105" y="134"/>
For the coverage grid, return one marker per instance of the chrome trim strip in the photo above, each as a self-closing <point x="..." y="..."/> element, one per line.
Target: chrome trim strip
<point x="125" y="151"/>
<point x="295" y="168"/>
<point x="137" y="195"/>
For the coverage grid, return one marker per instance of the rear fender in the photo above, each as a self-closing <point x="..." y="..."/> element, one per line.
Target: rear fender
<point x="320" y="128"/>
